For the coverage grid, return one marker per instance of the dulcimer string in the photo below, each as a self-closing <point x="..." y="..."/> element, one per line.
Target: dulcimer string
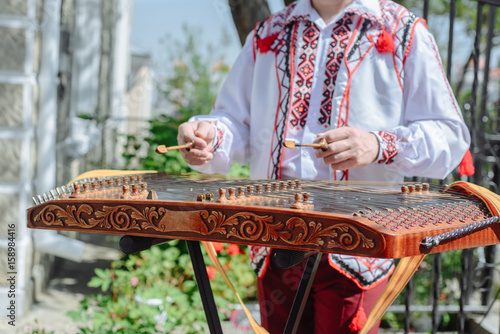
<point x="341" y="197"/>
<point x="326" y="196"/>
<point x="355" y="190"/>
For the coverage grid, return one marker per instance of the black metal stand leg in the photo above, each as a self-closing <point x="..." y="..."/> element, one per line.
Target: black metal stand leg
<point x="200" y="273"/>
<point x="302" y="293"/>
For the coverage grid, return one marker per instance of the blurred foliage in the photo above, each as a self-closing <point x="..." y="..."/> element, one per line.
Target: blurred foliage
<point x="466" y="9"/>
<point x="155" y="291"/>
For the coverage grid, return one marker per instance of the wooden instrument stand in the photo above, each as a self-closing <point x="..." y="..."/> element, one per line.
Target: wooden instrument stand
<point x="133" y="244"/>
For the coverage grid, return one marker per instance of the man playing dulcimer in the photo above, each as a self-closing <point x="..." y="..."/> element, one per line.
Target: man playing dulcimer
<point x="363" y="75"/>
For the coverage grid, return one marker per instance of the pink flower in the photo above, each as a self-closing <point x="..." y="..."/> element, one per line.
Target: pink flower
<point x="218" y="247"/>
<point x="134" y="281"/>
<point x="211" y="272"/>
<point x="233" y="249"/>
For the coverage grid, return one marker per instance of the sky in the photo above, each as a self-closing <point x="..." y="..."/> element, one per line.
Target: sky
<point x="153" y="19"/>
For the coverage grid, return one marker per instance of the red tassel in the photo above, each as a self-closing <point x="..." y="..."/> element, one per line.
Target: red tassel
<point x="466" y="166"/>
<point x="385" y="42"/>
<point x="359" y="319"/>
<point x="264" y="44"/>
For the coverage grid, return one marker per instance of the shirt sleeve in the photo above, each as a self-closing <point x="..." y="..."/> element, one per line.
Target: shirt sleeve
<point x="433" y="137"/>
<point x="231" y="115"/>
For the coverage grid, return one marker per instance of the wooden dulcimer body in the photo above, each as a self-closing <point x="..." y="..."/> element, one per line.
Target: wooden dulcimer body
<point x="375" y="220"/>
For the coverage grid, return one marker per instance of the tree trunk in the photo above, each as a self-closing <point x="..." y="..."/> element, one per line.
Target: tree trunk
<point x="246" y="14"/>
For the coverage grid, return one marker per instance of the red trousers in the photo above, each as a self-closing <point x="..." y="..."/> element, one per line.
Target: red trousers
<point x="333" y="301"/>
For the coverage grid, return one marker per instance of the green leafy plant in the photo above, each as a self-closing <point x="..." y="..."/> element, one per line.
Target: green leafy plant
<point x="155" y="291"/>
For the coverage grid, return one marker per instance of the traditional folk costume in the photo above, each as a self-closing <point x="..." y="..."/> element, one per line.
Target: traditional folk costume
<point x="376" y="67"/>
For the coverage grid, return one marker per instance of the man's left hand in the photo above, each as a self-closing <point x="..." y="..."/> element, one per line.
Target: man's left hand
<point x="348" y="148"/>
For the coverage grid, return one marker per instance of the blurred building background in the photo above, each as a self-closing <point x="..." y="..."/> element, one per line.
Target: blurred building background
<point x="68" y="80"/>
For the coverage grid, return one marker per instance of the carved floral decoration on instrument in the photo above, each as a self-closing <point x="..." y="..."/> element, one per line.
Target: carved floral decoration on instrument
<point x="244" y="226"/>
<point x="249" y="226"/>
<point x="54" y="215"/>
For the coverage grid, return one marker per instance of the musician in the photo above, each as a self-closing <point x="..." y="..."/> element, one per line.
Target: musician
<point x="366" y="76"/>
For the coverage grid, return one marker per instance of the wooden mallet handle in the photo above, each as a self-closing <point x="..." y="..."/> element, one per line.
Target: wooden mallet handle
<point x="322" y="144"/>
<point x="162" y="149"/>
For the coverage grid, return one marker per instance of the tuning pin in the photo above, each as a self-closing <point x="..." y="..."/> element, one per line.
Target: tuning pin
<point x="282" y="185"/>
<point x="222" y="196"/>
<point x="250" y="191"/>
<point x="76" y="193"/>
<point x="144" y="188"/>
<point x="307" y="197"/>
<point x="404" y="190"/>
<point x="241" y="194"/>
<point x="298" y="202"/>
<point x="232" y="194"/>
<point x="135" y="190"/>
<point x="126" y="193"/>
<point x="86" y="190"/>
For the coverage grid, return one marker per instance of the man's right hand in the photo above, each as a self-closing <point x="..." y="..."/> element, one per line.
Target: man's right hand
<point x="202" y="135"/>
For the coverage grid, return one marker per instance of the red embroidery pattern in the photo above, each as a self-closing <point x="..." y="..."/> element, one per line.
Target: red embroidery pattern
<point x="305" y="71"/>
<point x="268" y="43"/>
<point x="259" y="258"/>
<point x="389" y="147"/>
<point x="341" y="34"/>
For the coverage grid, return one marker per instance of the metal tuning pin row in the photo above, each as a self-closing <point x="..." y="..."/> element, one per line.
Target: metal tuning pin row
<point x="135" y="191"/>
<point x="57" y="193"/>
<point x="268" y="194"/>
<point x="110" y="187"/>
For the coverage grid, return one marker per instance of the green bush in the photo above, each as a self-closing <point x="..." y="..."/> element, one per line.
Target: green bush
<point x="155" y="291"/>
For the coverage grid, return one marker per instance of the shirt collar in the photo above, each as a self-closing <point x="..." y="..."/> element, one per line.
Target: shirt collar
<point x="369" y="9"/>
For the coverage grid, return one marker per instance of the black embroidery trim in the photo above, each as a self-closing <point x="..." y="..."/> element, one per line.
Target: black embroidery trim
<point x="357" y="275"/>
<point x="364" y="28"/>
